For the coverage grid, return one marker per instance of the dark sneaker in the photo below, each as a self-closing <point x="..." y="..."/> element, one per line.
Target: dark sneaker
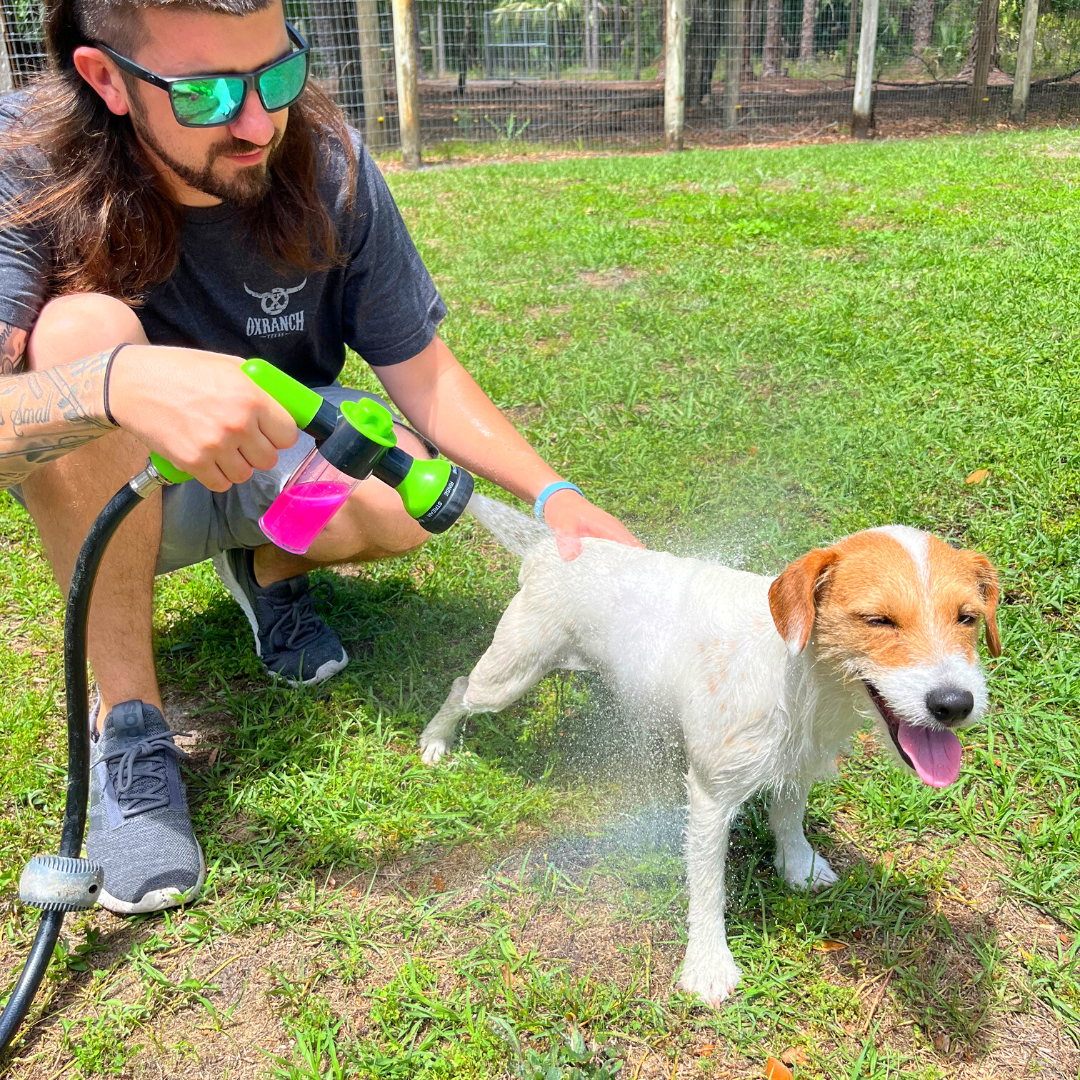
<point x="139" y="825"/>
<point x="294" y="643"/>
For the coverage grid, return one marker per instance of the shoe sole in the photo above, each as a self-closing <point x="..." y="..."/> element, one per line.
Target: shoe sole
<point x="156" y="899"/>
<point x="236" y="591"/>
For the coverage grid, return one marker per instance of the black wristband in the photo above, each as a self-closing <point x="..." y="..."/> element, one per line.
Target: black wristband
<point x="108" y="373"/>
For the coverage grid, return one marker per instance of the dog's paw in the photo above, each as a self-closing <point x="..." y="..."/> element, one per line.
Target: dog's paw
<point x="433" y="748"/>
<point x="809" y="875"/>
<point x="713" y="978"/>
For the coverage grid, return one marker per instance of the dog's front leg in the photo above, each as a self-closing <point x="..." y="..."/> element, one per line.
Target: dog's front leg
<point x="799" y="864"/>
<point x="709" y="968"/>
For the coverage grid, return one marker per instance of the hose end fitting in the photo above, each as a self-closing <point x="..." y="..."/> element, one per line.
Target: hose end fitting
<point x="149" y="480"/>
<point x="59" y="883"/>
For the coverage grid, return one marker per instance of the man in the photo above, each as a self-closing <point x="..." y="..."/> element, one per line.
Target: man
<point x="191" y="172"/>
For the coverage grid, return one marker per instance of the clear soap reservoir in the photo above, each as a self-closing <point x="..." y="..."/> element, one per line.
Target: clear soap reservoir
<point x="317" y="490"/>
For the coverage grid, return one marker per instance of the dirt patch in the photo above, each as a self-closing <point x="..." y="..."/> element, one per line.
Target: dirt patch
<point x="523" y="415"/>
<point x="254" y="980"/>
<point x="535" y="311"/>
<point x="609" y="279"/>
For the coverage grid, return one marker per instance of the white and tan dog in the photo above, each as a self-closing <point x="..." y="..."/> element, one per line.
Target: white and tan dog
<point x="765" y="679"/>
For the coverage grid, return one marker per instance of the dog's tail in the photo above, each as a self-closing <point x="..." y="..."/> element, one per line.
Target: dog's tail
<point x="513" y="529"/>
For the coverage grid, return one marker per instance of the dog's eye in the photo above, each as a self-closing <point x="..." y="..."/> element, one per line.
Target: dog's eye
<point x="967" y="618"/>
<point x="878" y="620"/>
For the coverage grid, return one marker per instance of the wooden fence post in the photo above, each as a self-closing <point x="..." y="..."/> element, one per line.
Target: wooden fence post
<point x="7" y="80"/>
<point x="985" y="24"/>
<point x="367" y="20"/>
<point x="1025" y="54"/>
<point x="675" y="74"/>
<point x="407" y="93"/>
<point x="862" y="107"/>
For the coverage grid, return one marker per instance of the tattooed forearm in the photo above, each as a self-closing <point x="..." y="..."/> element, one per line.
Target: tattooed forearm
<point x="12" y="348"/>
<point x="46" y="414"/>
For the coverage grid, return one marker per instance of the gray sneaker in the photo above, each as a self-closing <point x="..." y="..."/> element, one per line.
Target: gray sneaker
<point x="293" y="642"/>
<point x="139" y="825"/>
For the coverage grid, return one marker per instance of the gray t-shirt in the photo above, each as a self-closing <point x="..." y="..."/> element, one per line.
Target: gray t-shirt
<point x="225" y="298"/>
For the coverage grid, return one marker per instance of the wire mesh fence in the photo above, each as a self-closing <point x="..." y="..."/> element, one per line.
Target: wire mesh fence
<point x="591" y="72"/>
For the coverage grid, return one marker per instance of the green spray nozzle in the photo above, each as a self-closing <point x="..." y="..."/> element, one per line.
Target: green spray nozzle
<point x="359" y="440"/>
<point x="311" y="412"/>
<point x="433" y="492"/>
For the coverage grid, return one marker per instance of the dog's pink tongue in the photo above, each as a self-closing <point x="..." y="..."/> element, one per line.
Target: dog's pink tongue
<point x="935" y="754"/>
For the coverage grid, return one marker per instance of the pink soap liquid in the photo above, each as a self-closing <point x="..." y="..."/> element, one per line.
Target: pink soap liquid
<point x="298" y="515"/>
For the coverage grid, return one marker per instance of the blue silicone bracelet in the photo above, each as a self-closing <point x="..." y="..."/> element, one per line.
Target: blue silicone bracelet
<point x="542" y="498"/>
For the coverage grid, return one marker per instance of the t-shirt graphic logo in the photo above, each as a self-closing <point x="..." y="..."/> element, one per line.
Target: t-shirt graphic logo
<point x="275" y="301"/>
<point x="274" y="304"/>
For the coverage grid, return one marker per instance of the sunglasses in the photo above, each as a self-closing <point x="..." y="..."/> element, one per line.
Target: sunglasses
<point x="214" y="100"/>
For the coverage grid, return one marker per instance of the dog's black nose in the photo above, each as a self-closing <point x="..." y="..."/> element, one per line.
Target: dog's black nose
<point x="949" y="705"/>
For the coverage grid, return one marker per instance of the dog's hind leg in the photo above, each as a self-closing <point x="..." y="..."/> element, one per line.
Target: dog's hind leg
<point x="709" y="968"/>
<point x="796" y="861"/>
<point x="527" y="645"/>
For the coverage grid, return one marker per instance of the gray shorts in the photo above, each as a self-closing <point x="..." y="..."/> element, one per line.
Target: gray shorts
<point x="197" y="523"/>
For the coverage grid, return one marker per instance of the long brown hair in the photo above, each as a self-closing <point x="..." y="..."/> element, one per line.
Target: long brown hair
<point x="110" y="221"/>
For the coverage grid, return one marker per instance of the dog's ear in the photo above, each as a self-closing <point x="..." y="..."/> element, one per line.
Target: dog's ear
<point x="987" y="580"/>
<point x="792" y="595"/>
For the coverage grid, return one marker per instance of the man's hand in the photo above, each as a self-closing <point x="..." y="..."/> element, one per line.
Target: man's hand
<point x="573" y="517"/>
<point x="200" y="411"/>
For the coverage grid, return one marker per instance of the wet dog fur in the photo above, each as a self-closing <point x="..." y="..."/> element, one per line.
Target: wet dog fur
<point x="765" y="680"/>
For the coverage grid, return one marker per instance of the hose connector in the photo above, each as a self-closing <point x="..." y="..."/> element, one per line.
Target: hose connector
<point x="58" y="883"/>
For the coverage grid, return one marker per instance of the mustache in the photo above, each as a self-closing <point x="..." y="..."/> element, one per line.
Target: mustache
<point x="233" y="145"/>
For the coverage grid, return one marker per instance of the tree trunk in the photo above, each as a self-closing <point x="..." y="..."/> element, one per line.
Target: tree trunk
<point x="596" y="35"/>
<point x="1025" y="55"/>
<point x="922" y="26"/>
<point x="440" y="42"/>
<point x="734" y="32"/>
<point x="702" y="48"/>
<point x="774" y="43"/>
<point x="661" y="64"/>
<point x="968" y="70"/>
<point x="806" y="41"/>
<point x="852" y="38"/>
<point x="696" y="46"/>
<point x="617" y="33"/>
<point x="637" y="39"/>
<point x="465" y="50"/>
<point x="983" y="53"/>
<point x="750" y="19"/>
<point x="419" y="54"/>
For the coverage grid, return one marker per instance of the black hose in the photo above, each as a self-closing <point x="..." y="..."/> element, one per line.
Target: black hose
<point x="78" y="724"/>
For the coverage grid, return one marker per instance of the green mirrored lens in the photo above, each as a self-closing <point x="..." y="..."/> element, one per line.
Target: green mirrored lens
<point x="281" y="85"/>
<point x="207" y="101"/>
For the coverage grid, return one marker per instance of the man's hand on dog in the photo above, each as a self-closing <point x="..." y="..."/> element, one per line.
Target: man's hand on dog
<point x="572" y="517"/>
<point x="200" y="411"/>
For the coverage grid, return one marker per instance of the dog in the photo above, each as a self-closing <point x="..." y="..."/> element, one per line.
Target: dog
<point x="766" y="680"/>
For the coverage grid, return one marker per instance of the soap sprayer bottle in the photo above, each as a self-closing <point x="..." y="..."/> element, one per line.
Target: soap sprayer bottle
<point x="351" y="444"/>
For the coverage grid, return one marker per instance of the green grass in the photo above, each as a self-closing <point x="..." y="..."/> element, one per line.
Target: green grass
<point x="743" y="354"/>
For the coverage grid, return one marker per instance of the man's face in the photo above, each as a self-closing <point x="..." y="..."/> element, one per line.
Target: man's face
<point x="226" y="163"/>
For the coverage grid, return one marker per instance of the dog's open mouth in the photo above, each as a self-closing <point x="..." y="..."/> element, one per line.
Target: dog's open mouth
<point x="933" y="753"/>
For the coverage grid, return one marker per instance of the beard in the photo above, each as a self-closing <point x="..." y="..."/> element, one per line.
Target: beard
<point x="246" y="189"/>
